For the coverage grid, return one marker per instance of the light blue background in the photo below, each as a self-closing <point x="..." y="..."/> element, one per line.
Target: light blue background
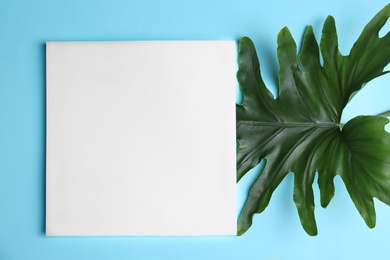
<point x="26" y="25"/>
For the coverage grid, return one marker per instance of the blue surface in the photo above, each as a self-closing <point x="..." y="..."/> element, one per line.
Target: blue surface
<point x="25" y="26"/>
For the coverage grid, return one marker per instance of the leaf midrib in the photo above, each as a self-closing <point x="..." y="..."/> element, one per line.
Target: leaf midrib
<point x="290" y="124"/>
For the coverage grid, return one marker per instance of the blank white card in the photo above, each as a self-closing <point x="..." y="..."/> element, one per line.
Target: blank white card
<point x="141" y="138"/>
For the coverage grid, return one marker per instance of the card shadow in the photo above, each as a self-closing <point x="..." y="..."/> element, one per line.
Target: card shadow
<point x="43" y="148"/>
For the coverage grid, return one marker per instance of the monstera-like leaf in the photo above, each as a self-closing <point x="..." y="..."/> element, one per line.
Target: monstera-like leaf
<point x="300" y="131"/>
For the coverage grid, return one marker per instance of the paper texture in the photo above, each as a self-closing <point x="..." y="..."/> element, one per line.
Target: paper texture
<point x="141" y="138"/>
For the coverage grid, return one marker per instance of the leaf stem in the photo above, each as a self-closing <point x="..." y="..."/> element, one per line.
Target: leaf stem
<point x="385" y="114"/>
<point x="288" y="124"/>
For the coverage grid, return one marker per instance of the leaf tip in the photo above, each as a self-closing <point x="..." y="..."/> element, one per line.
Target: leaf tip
<point x="312" y="233"/>
<point x="329" y="19"/>
<point x="309" y="28"/>
<point x="284" y="31"/>
<point x="308" y="223"/>
<point x="370" y="220"/>
<point x="241" y="230"/>
<point x="245" y="40"/>
<point x="325" y="202"/>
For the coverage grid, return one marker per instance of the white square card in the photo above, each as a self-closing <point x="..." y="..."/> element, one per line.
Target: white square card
<point x="141" y="138"/>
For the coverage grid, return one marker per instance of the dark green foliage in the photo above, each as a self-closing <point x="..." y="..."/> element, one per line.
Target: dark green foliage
<point x="300" y="131"/>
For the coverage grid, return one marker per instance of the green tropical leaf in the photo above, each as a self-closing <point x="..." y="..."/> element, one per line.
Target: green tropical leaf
<point x="300" y="131"/>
